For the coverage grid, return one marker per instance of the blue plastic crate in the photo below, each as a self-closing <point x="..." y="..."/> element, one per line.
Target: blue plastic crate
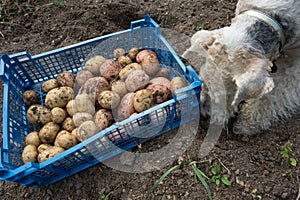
<point x="22" y="71"/>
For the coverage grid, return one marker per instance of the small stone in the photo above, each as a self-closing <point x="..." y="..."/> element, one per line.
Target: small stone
<point x="284" y="195"/>
<point x="28" y="25"/>
<point x="16" y="40"/>
<point x="49" y="192"/>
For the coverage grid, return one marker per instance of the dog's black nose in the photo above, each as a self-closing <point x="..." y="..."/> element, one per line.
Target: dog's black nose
<point x="274" y="67"/>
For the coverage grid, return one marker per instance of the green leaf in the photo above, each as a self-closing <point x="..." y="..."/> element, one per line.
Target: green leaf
<point x="218" y="182"/>
<point x="216" y="169"/>
<point x="225" y="180"/>
<point x="293" y="162"/>
<point x="199" y="173"/>
<point x="162" y="178"/>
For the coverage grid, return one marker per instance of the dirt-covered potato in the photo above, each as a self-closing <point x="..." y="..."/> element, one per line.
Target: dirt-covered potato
<point x="49" y="153"/>
<point x="48" y="132"/>
<point x="124" y="60"/>
<point x="29" y="153"/>
<point x="150" y="64"/>
<point x="30" y="97"/>
<point x="119" y="87"/>
<point x="81" y="117"/>
<point x="161" y="81"/>
<point x="128" y="69"/>
<point x="66" y="79"/>
<point x="33" y="139"/>
<point x="137" y="80"/>
<point x="133" y="53"/>
<point x="70" y="107"/>
<point x="160" y="93"/>
<point x="142" y="100"/>
<point x="126" y="108"/>
<point x="59" y="97"/>
<point x="109" y="99"/>
<point x="163" y="72"/>
<point x="118" y="52"/>
<point x="49" y="85"/>
<point x="43" y="147"/>
<point x="38" y="114"/>
<point x="68" y="124"/>
<point x="74" y="133"/>
<point x="93" y="87"/>
<point x="141" y="54"/>
<point x="86" y="130"/>
<point x="58" y="115"/>
<point x="82" y="76"/>
<point x="110" y="69"/>
<point x="83" y="103"/>
<point x="104" y="118"/>
<point x="65" y="139"/>
<point x="177" y="83"/>
<point x="94" y="63"/>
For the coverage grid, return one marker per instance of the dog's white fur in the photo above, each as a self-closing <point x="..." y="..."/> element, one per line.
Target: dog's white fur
<point x="235" y="64"/>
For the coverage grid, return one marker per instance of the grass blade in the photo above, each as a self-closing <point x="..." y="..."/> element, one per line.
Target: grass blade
<point x="199" y="174"/>
<point x="162" y="178"/>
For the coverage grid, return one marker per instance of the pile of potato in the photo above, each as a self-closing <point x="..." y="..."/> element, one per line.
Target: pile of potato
<point x="105" y="92"/>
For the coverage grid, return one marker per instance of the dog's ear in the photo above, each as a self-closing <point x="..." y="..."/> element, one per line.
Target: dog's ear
<point x="197" y="53"/>
<point x="254" y="81"/>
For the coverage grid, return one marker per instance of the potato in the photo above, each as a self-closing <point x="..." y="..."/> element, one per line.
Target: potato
<point x="119" y="87"/>
<point x="82" y="76"/>
<point x="74" y="133"/>
<point x="177" y="83"/>
<point x="93" y="87"/>
<point x="108" y="99"/>
<point x="94" y="63"/>
<point x="49" y="153"/>
<point x="49" y="85"/>
<point x="104" y="118"/>
<point x="83" y="103"/>
<point x="133" y="53"/>
<point x="29" y="153"/>
<point x="43" y="147"/>
<point x="124" y="60"/>
<point x="163" y="72"/>
<point x="70" y="107"/>
<point x="58" y="115"/>
<point x="86" y="130"/>
<point x="141" y="54"/>
<point x="136" y="80"/>
<point x="59" y="97"/>
<point x="48" y="132"/>
<point x="68" y="124"/>
<point x="118" y="52"/>
<point x="30" y="97"/>
<point x="161" y="81"/>
<point x="110" y="69"/>
<point x="33" y="139"/>
<point x="81" y="117"/>
<point x="38" y="114"/>
<point x="65" y="139"/>
<point x="66" y="79"/>
<point x="142" y="100"/>
<point x="160" y="93"/>
<point x="126" y="107"/>
<point x="128" y="69"/>
<point x="150" y="64"/>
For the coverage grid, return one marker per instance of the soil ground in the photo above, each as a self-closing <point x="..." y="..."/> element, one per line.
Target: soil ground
<point x="254" y="165"/>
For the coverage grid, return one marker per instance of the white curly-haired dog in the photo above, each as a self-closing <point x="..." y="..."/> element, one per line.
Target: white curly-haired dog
<point x="254" y="63"/>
